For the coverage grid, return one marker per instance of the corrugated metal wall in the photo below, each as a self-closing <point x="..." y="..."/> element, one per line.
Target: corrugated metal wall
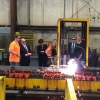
<point x="4" y="12"/>
<point x="47" y="12"/>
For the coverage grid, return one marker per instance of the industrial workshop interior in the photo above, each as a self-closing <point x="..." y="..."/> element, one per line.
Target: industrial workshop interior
<point x="49" y="49"/>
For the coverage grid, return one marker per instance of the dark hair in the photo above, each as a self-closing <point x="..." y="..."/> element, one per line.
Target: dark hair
<point x="16" y="36"/>
<point x="40" y="41"/>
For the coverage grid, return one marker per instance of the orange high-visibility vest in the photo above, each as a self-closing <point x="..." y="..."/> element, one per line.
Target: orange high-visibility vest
<point x="48" y="51"/>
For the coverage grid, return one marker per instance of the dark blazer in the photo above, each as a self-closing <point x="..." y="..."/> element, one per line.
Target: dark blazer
<point x="39" y="49"/>
<point x="69" y="50"/>
<point x="80" y="49"/>
<point x="42" y="57"/>
<point x="24" y="60"/>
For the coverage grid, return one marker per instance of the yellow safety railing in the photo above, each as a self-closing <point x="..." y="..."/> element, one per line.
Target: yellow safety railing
<point x="69" y="90"/>
<point x="2" y="87"/>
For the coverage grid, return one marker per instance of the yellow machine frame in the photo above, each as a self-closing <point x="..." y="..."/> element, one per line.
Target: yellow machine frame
<point x="2" y="87"/>
<point x="30" y="82"/>
<point x="58" y="36"/>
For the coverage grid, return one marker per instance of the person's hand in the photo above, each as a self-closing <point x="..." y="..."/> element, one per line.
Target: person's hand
<point x="42" y="51"/>
<point x="29" y="54"/>
<point x="17" y="55"/>
<point x="77" y="60"/>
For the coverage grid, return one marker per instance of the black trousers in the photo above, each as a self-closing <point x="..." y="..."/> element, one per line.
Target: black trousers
<point x="42" y="62"/>
<point x="91" y="62"/>
<point x="72" y="55"/>
<point x="25" y="62"/>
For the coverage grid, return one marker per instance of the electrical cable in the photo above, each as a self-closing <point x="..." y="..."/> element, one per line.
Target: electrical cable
<point x="73" y="15"/>
<point x="47" y="36"/>
<point x="87" y="3"/>
<point x="93" y="7"/>
<point x="81" y="53"/>
<point x="81" y="9"/>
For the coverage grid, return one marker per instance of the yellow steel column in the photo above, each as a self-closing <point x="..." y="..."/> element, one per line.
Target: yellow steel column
<point x="69" y="90"/>
<point x="87" y="41"/>
<point x="58" y="44"/>
<point x="2" y="87"/>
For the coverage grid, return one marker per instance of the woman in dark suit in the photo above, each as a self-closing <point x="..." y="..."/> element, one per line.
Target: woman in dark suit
<point x="42" y="56"/>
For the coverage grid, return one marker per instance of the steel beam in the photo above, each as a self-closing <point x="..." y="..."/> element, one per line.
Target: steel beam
<point x="26" y="27"/>
<point x="31" y="27"/>
<point x="13" y="16"/>
<point x="57" y="93"/>
<point x="69" y="90"/>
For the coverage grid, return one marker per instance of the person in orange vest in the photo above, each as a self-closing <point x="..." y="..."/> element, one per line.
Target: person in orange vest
<point x="51" y="52"/>
<point x="14" y="51"/>
<point x="48" y="51"/>
<point x="42" y="56"/>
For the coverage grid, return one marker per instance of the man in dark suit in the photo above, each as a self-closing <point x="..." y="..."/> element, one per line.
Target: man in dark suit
<point x="80" y="41"/>
<point x="42" y="56"/>
<point x="80" y="47"/>
<point x="25" y="53"/>
<point x="72" y="47"/>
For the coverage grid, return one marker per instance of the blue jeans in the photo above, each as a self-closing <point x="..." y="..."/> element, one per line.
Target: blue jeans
<point x="14" y="64"/>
